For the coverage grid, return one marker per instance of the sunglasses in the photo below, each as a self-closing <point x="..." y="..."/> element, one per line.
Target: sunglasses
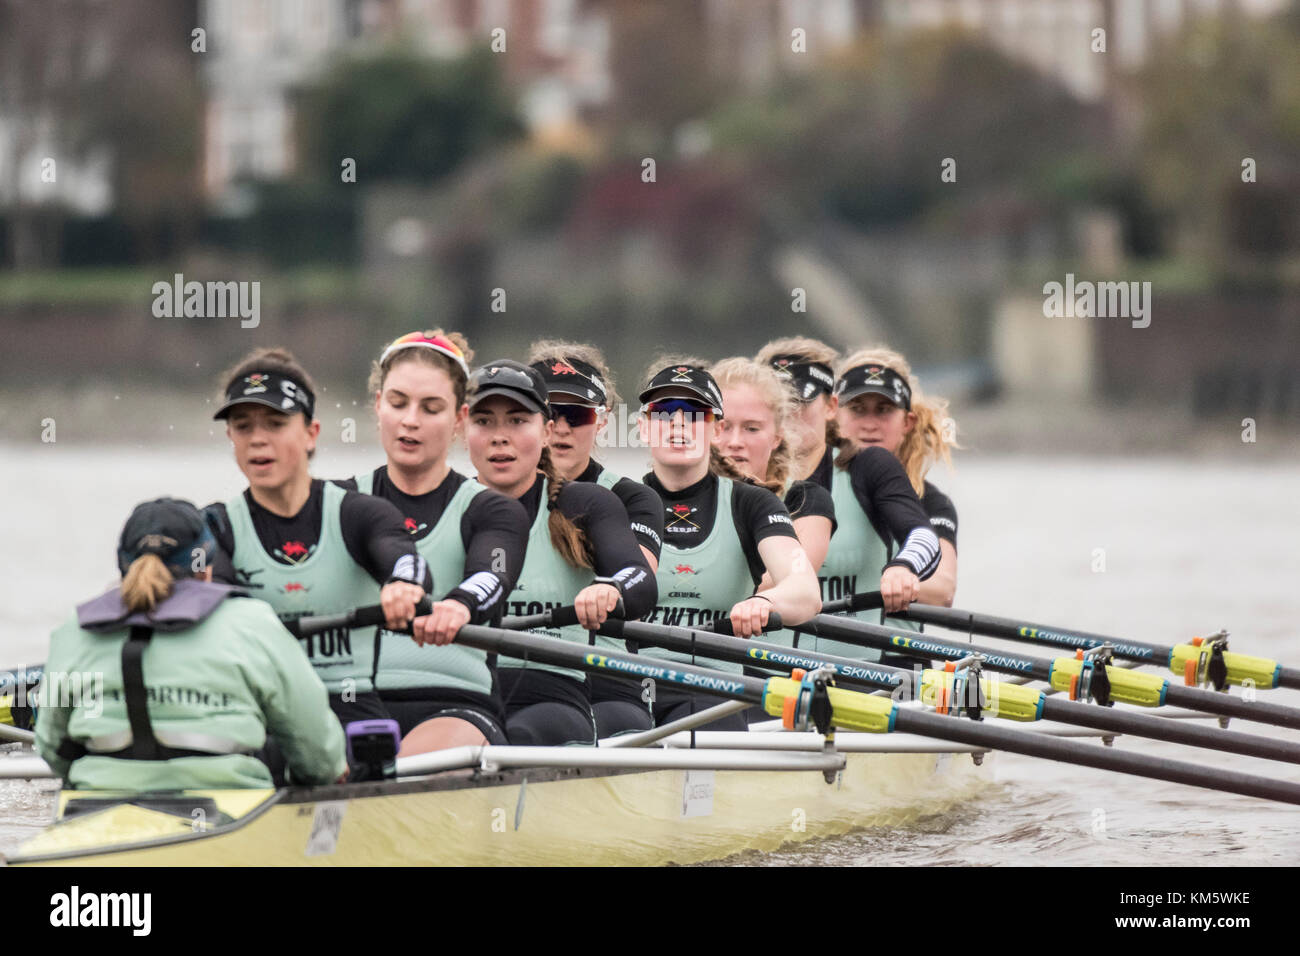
<point x="576" y="415"/>
<point x="668" y="407"/>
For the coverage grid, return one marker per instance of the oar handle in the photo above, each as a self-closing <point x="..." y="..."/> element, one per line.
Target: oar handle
<point x="723" y="624"/>
<point x="567" y="616"/>
<point x="370" y="616"/>
<point x="867" y="601"/>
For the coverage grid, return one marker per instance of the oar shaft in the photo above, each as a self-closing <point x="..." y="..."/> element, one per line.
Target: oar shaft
<point x="926" y="646"/>
<point x="600" y="660"/>
<point x="1089" y="755"/>
<point x="880" y="677"/>
<point x="1225" y="705"/>
<point x="992" y="626"/>
<point x="1241" y="668"/>
<point x="760" y="654"/>
<point x="859" y="711"/>
<point x="1172" y="731"/>
<point x="923" y="646"/>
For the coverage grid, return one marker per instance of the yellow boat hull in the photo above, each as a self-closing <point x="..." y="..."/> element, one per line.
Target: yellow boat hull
<point x="525" y="817"/>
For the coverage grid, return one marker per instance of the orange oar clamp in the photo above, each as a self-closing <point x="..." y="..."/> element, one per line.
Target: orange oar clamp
<point x="811" y="707"/>
<point x="963" y="696"/>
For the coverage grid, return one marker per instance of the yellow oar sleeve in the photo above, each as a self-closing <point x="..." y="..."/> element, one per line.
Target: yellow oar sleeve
<point x="1000" y="698"/>
<point x="850" y="709"/>
<point x="1185" y="660"/>
<point x="1126" y="686"/>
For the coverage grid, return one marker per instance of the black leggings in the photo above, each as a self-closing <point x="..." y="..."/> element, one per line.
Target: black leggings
<point x="615" y="712"/>
<point x="669" y="704"/>
<point x="544" y="708"/>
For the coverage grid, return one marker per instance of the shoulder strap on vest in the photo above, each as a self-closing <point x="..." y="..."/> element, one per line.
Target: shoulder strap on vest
<point x="144" y="743"/>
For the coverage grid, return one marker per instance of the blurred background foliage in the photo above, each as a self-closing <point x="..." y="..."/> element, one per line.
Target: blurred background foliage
<point x="836" y="165"/>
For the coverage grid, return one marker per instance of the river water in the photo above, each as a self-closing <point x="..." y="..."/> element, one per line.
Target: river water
<point x="1159" y="549"/>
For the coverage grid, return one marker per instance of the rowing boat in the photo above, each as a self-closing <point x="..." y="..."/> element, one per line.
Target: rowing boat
<point x="660" y="796"/>
<point x="730" y="793"/>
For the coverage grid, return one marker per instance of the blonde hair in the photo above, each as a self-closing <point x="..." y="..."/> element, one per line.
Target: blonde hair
<point x="778" y="398"/>
<point x="547" y="349"/>
<point x="928" y="441"/>
<point x="146" y="583"/>
<point x="809" y="350"/>
<point x="459" y="381"/>
<point x="569" y="540"/>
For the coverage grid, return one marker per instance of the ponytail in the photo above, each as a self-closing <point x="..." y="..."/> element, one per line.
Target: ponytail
<point x="146" y="583"/>
<point x="723" y="467"/>
<point x="927" y="442"/>
<point x="566" y="537"/>
<point x="778" y="467"/>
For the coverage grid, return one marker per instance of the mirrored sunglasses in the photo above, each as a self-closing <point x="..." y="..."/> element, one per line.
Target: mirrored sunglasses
<point x="576" y="415"/>
<point x="668" y="407"/>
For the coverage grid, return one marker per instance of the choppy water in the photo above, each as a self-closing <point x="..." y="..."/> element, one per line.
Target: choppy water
<point x="1180" y="548"/>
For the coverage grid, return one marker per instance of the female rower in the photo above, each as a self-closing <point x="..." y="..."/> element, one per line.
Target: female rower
<point x="582" y="390"/>
<point x="807" y="365"/>
<point x="194" y="676"/>
<point x="581" y="550"/>
<point x="881" y="523"/>
<point x="303" y="545"/>
<point x="758" y="431"/>
<point x="911" y="426"/>
<point x="441" y="693"/>
<point x="721" y="532"/>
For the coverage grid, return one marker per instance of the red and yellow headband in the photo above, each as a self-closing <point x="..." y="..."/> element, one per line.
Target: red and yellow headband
<point x="418" y="340"/>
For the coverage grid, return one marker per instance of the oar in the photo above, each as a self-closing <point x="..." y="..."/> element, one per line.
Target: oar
<point x="996" y="698"/>
<point x="869" y="713"/>
<point x="567" y="616"/>
<point x="1200" y="661"/>
<point x="1063" y="673"/>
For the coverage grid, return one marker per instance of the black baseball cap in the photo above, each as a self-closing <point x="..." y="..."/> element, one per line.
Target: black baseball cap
<point x="874" y="379"/>
<point x="172" y="529"/>
<point x="684" y="381"/>
<point x="512" y="379"/>
<point x="572" y="382"/>
<point x="271" y="389"/>
<point x="805" y="377"/>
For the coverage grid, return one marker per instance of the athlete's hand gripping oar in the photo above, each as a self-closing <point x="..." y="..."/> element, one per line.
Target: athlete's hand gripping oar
<point x="1199" y="662"/>
<point x="1064" y="673"/>
<point x="372" y="615"/>
<point x="963" y="690"/>
<point x="567" y="615"/>
<point x="851" y="710"/>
